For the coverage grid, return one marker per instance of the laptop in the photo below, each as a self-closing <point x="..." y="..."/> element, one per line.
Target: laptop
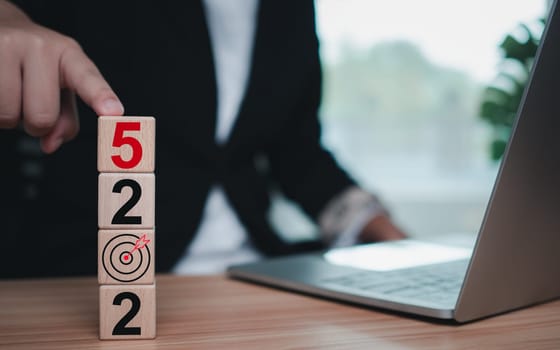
<point x="515" y="260"/>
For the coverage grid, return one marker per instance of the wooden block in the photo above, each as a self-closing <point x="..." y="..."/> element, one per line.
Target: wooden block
<point x="127" y="312"/>
<point x="126" y="200"/>
<point x="126" y="257"/>
<point x="126" y="144"/>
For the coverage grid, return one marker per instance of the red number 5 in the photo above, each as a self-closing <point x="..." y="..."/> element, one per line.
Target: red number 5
<point x="120" y="139"/>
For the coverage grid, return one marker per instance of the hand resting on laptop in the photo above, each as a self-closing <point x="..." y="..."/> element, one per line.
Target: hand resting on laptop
<point x="380" y="228"/>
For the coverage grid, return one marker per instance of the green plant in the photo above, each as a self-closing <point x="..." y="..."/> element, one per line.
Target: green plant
<point x="501" y="98"/>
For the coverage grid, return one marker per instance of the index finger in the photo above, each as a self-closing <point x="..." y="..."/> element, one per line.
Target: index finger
<point x="79" y="74"/>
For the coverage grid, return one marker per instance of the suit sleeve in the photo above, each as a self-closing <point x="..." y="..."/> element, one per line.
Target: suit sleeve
<point x="304" y="169"/>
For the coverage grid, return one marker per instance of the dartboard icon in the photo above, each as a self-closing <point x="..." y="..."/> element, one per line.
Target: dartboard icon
<point x="126" y="257"/>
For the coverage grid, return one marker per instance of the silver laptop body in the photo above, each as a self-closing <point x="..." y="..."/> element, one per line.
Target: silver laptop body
<point x="516" y="258"/>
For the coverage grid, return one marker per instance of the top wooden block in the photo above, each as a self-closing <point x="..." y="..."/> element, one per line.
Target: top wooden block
<point x="126" y="144"/>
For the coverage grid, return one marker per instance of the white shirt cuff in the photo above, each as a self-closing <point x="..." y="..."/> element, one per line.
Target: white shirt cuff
<point x="344" y="217"/>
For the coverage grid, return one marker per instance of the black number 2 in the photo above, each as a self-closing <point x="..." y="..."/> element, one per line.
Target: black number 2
<point x="120" y="327"/>
<point x="120" y="216"/>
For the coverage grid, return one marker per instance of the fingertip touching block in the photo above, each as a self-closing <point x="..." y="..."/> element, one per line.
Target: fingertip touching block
<point x="127" y="312"/>
<point x="126" y="144"/>
<point x="126" y="256"/>
<point x="126" y="200"/>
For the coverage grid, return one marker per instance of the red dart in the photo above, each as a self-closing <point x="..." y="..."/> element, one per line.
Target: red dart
<point x="140" y="243"/>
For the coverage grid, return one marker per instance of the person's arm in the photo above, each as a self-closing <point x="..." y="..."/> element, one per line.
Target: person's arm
<point x="40" y="71"/>
<point x="309" y="174"/>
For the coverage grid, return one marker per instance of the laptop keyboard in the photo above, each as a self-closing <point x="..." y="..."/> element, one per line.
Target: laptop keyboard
<point x="440" y="283"/>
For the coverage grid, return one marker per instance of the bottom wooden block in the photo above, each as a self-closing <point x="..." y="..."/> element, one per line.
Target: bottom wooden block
<point x="127" y="312"/>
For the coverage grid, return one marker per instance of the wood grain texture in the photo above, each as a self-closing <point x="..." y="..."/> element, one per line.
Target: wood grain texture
<point x="116" y="302"/>
<point x="126" y="146"/>
<point x="111" y="199"/>
<point x="126" y="256"/>
<point x="216" y="313"/>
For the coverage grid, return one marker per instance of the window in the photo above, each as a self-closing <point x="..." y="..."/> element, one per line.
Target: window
<point x="402" y="87"/>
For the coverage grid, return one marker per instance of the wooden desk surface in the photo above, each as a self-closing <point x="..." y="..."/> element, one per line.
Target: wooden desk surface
<point x="215" y="312"/>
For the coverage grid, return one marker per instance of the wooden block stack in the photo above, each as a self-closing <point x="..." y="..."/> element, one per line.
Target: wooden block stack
<point x="126" y="219"/>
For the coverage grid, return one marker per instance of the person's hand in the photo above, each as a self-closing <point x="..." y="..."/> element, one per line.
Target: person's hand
<point x="40" y="70"/>
<point x="381" y="228"/>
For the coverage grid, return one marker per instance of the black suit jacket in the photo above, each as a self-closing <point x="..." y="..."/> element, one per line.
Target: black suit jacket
<point x="157" y="57"/>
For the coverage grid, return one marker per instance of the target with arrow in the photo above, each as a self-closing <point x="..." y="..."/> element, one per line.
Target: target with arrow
<point x="126" y="256"/>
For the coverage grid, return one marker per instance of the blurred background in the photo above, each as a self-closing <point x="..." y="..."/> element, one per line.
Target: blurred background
<point x="418" y="100"/>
